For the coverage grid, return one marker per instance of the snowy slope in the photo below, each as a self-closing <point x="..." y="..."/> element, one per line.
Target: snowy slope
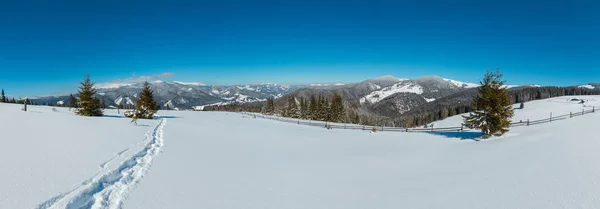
<point x="224" y="160"/>
<point x="462" y="84"/>
<point x="538" y="109"/>
<point x="402" y="87"/>
<point x="49" y="152"/>
<point x="267" y="164"/>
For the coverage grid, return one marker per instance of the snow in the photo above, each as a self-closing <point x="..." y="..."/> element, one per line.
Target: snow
<point x="60" y="103"/>
<point x="118" y="100"/>
<point x="129" y="101"/>
<point x="169" y="103"/>
<point x="537" y="109"/>
<point x="587" y="86"/>
<point x="114" y="85"/>
<point x="190" y="83"/>
<point x="47" y="153"/>
<point x="377" y="96"/>
<point x="461" y="84"/>
<point x="246" y="87"/>
<point x="224" y="160"/>
<point x="429" y="99"/>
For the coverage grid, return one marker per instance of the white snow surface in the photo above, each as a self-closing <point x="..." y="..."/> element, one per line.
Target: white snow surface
<point x="462" y="84"/>
<point x="190" y="83"/>
<point x="537" y="109"/>
<point x="587" y="86"/>
<point x="225" y="160"/>
<point x="377" y="96"/>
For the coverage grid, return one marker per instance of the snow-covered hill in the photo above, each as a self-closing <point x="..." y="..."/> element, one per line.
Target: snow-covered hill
<point x="538" y="109"/>
<point x="53" y="159"/>
<point x="430" y="87"/>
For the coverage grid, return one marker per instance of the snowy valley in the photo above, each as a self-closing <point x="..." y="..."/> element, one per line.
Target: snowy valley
<point x="185" y="159"/>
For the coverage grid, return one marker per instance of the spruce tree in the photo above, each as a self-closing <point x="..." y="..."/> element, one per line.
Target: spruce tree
<point x="303" y="108"/>
<point x="146" y="106"/>
<point x="3" y="97"/>
<point x="292" y="108"/>
<point x="313" y="108"/>
<point x="336" y="110"/>
<point x="89" y="105"/>
<point x="492" y="106"/>
<point x="269" y="107"/>
<point x="73" y="101"/>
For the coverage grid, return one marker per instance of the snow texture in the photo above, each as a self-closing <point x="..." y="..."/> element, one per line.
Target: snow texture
<point x="54" y="159"/>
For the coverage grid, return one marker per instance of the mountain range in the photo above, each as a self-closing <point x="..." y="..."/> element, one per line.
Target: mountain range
<point x="386" y="95"/>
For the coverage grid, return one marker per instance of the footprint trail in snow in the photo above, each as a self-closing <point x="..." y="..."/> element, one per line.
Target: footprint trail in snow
<point x="108" y="190"/>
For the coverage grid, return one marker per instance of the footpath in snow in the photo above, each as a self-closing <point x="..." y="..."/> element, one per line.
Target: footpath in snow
<point x="224" y="160"/>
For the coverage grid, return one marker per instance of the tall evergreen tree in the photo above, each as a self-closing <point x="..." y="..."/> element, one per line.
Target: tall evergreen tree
<point x="323" y="109"/>
<point x="269" y="107"/>
<point x="3" y="97"/>
<point x="313" y="108"/>
<point x="89" y="104"/>
<point x="73" y="101"/>
<point x="146" y="106"/>
<point x="303" y="108"/>
<point x="292" y="108"/>
<point x="336" y="110"/>
<point x="492" y="106"/>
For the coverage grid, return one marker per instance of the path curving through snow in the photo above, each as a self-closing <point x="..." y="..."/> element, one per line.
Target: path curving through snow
<point x="108" y="190"/>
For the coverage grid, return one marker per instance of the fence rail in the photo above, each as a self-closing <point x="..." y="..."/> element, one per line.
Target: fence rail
<point x="330" y="125"/>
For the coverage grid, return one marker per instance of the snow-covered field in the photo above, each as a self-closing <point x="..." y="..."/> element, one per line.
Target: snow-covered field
<point x="538" y="109"/>
<point x="53" y="159"/>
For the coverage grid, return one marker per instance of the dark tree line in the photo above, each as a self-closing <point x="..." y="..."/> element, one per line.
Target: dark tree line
<point x="313" y="108"/>
<point x="8" y="100"/>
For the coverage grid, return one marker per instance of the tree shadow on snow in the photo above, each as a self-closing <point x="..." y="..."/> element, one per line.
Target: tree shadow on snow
<point x="459" y="135"/>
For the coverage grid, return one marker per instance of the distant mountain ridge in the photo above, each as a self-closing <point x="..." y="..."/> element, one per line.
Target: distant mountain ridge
<point x="385" y="95"/>
<point x="182" y="95"/>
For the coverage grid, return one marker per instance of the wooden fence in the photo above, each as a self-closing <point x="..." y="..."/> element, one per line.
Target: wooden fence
<point x="330" y="125"/>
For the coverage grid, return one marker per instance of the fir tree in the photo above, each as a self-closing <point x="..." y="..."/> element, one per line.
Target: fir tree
<point x="3" y="97"/>
<point x="269" y="107"/>
<point x="102" y="103"/>
<point x="323" y="109"/>
<point x="313" y="108"/>
<point x="303" y="108"/>
<point x="492" y="106"/>
<point x="89" y="105"/>
<point x="146" y="106"/>
<point x="336" y="110"/>
<point x="72" y="102"/>
<point x="292" y="108"/>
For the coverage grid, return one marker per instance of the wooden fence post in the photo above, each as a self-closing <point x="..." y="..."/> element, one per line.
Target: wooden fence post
<point x="527" y="122"/>
<point x="550" y="116"/>
<point x="570" y="114"/>
<point x="381" y="127"/>
<point x="461" y="127"/>
<point x="582" y="111"/>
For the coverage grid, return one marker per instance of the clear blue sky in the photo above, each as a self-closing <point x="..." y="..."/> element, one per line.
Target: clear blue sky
<point x="47" y="46"/>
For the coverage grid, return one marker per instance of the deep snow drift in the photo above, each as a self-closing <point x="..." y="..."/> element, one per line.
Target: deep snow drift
<point x="225" y="160"/>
